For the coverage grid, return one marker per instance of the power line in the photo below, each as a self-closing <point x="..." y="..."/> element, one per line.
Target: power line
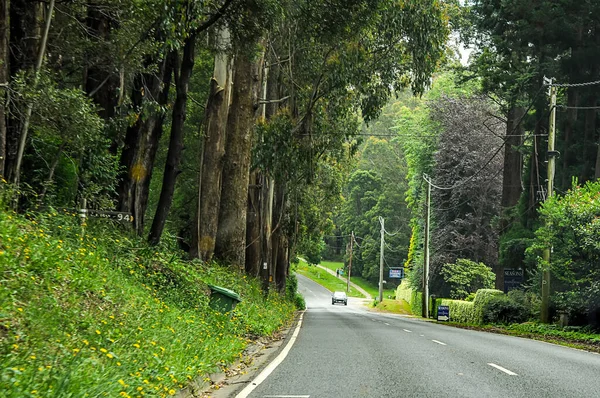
<point x="550" y="84"/>
<point x="463" y="182"/>
<point x="577" y="107"/>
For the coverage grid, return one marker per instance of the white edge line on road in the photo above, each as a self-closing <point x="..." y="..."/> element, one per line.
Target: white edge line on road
<point x="387" y="324"/>
<point x="407" y="331"/>
<point x="271" y="367"/>
<point x="439" y="342"/>
<point x="508" y="372"/>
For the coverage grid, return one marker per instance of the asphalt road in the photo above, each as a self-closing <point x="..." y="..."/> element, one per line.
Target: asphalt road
<point x="347" y="351"/>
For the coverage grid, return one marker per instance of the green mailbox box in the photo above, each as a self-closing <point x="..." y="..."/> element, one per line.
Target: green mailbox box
<point x="223" y="300"/>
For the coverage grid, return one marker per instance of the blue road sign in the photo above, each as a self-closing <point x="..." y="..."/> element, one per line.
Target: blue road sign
<point x="443" y="313"/>
<point x="397" y="273"/>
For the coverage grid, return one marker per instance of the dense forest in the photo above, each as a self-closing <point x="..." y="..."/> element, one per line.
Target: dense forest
<point x="255" y="130"/>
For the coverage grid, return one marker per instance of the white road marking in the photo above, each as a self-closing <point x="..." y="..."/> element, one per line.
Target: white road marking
<point x="508" y="372"/>
<point x="387" y="324"/>
<point x="271" y="367"/>
<point x="439" y="342"/>
<point x="407" y="331"/>
<point x="422" y="335"/>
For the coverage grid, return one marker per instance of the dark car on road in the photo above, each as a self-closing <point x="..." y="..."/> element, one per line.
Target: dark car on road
<point x="339" y="297"/>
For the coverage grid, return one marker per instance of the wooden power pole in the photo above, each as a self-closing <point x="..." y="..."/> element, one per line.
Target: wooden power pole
<point x="544" y="313"/>
<point x="425" y="298"/>
<point x="350" y="264"/>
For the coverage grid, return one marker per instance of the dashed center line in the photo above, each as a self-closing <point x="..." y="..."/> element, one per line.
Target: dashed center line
<point x="387" y="324"/>
<point x="407" y="331"/>
<point x="439" y="342"/>
<point x="508" y="372"/>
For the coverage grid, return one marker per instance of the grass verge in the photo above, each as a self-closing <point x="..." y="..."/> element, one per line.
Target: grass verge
<point x="106" y="315"/>
<point x="325" y="279"/>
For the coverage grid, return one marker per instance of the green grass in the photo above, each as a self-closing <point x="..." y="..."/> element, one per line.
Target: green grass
<point x="107" y="315"/>
<point x="332" y="265"/>
<point x="372" y="290"/>
<point x="363" y="283"/>
<point x="394" y="306"/>
<point x="325" y="279"/>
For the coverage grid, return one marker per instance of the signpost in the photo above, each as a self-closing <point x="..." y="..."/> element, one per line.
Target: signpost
<point x="513" y="278"/>
<point x="397" y="273"/>
<point x="443" y="313"/>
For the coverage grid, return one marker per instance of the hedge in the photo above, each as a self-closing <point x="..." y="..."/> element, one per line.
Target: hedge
<point x="412" y="297"/>
<point x="460" y="311"/>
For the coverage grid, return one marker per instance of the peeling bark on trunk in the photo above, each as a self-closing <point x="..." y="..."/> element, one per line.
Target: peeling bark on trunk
<point x="4" y="76"/>
<point x="213" y="150"/>
<point x="282" y="261"/>
<point x="182" y="79"/>
<point x="253" y="221"/>
<point x="141" y="143"/>
<point x="231" y="236"/>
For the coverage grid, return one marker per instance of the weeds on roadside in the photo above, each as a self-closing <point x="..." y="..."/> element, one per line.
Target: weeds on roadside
<point x="104" y="315"/>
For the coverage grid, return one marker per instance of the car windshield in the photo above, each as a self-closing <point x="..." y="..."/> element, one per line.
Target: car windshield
<point x="339" y="294"/>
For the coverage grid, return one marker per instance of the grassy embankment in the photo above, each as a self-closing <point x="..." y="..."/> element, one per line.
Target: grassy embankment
<point x="106" y="315"/>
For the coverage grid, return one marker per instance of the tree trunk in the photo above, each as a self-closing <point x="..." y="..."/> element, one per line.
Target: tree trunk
<point x="101" y="84"/>
<point x="182" y="79"/>
<point x="4" y="76"/>
<point x="281" y="271"/>
<point x="29" y="110"/>
<point x="570" y="126"/>
<point x="25" y="32"/>
<point x="215" y="122"/>
<point x="589" y="141"/>
<point x="231" y="236"/>
<point x="513" y="164"/>
<point x="141" y="142"/>
<point x="253" y="221"/>
<point x="278" y="233"/>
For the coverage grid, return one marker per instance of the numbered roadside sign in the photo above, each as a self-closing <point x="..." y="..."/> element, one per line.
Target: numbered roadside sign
<point x="113" y="215"/>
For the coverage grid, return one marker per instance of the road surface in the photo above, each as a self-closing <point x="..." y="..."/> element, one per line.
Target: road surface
<point x="347" y="351"/>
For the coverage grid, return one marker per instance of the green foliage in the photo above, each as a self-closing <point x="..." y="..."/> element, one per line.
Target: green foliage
<point x="460" y="311"/>
<point x="66" y="130"/>
<point x="479" y="303"/>
<point x="572" y="228"/>
<point x="413" y="297"/>
<point x="465" y="277"/>
<point x="107" y="315"/>
<point x="501" y="309"/>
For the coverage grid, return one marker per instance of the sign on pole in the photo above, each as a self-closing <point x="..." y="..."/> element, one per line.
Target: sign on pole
<point x="443" y="313"/>
<point x="397" y="273"/>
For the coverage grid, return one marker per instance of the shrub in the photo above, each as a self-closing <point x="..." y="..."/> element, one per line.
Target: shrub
<point x="466" y="276"/>
<point x="481" y="298"/>
<point x="299" y="302"/>
<point x="502" y="309"/>
<point x="460" y="311"/>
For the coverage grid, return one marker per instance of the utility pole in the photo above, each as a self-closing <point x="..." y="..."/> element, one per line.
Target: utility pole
<point x="425" y="302"/>
<point x="544" y="313"/>
<point x="381" y="260"/>
<point x="350" y="263"/>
